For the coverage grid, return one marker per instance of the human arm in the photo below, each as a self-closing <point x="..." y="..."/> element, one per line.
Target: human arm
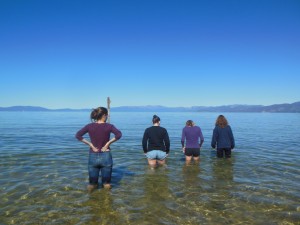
<point x="232" y="141"/>
<point x="201" y="138"/>
<point x="106" y="146"/>
<point x="79" y="136"/>
<point x="94" y="149"/>
<point x="201" y="142"/>
<point x="144" y="141"/>
<point x="118" y="135"/>
<point x="214" y="138"/>
<point x="183" y="140"/>
<point x="167" y="141"/>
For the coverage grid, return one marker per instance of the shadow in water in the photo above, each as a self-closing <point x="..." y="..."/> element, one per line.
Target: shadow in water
<point x="118" y="173"/>
<point x="156" y="184"/>
<point x="156" y="194"/>
<point x="101" y="209"/>
<point x="213" y="153"/>
<point x="222" y="171"/>
<point x="191" y="172"/>
<point x="222" y="183"/>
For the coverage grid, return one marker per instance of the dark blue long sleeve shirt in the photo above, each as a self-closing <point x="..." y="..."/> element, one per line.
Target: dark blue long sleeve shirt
<point x="222" y="138"/>
<point x="156" y="138"/>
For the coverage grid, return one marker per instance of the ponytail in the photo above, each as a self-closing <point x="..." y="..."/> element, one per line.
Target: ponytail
<point x="97" y="113"/>
<point x="155" y="119"/>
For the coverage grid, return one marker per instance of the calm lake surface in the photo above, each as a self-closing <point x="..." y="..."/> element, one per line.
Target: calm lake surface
<point x="44" y="175"/>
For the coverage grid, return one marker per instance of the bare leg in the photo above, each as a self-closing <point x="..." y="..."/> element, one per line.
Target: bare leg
<point x="188" y="159"/>
<point x="91" y="187"/>
<point x="161" y="162"/>
<point x="197" y="159"/>
<point x="152" y="163"/>
<point x="107" y="186"/>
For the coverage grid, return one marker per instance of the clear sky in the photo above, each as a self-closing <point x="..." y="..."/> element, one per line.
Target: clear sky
<point x="73" y="54"/>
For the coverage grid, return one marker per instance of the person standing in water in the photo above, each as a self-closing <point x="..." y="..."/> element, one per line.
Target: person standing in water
<point x="156" y="143"/>
<point x="192" y="134"/>
<point x="222" y="138"/>
<point x="100" y="158"/>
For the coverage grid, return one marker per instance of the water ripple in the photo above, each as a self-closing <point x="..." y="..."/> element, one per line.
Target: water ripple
<point x="44" y="173"/>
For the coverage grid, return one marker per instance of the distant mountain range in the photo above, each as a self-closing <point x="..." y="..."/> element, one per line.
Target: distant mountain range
<point x="277" y="108"/>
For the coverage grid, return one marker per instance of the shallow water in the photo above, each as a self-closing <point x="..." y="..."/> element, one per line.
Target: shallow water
<point x="44" y="172"/>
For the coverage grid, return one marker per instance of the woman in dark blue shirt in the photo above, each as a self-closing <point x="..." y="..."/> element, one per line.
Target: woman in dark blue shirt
<point x="222" y="138"/>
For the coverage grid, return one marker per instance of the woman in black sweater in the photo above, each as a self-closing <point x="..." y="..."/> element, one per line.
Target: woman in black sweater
<point x="156" y="143"/>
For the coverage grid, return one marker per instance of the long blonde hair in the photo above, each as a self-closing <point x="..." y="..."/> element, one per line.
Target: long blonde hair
<point x="221" y="121"/>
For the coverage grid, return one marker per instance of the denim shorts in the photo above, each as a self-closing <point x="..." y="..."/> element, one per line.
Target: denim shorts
<point x="100" y="162"/>
<point x="156" y="154"/>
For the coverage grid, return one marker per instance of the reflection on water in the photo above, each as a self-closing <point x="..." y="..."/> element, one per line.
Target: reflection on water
<point x="222" y="182"/>
<point x="44" y="174"/>
<point x="156" y="195"/>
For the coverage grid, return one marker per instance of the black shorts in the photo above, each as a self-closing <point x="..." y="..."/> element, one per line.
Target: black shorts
<point x="221" y="151"/>
<point x="192" y="152"/>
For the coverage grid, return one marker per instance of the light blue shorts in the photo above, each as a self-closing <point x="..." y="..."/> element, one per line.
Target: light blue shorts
<point x="156" y="154"/>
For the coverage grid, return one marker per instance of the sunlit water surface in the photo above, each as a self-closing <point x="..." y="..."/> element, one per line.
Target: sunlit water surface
<point x="44" y="175"/>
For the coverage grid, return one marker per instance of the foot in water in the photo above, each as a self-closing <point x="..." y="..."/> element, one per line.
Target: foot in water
<point x="91" y="188"/>
<point x="107" y="186"/>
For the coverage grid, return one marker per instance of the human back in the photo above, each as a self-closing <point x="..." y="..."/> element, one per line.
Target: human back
<point x="192" y="135"/>
<point x="222" y="137"/>
<point x="156" y="136"/>
<point x="156" y="143"/>
<point x="99" y="133"/>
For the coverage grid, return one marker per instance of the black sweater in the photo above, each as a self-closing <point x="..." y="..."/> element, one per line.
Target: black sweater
<point x="156" y="138"/>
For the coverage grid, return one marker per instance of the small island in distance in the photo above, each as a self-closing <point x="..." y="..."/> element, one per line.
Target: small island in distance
<point x="276" y="108"/>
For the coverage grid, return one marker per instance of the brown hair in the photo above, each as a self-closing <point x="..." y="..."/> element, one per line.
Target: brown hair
<point x="221" y="121"/>
<point x="155" y="119"/>
<point x="97" y="113"/>
<point x="189" y="123"/>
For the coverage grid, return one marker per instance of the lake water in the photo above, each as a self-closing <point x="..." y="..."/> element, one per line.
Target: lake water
<point x="44" y="175"/>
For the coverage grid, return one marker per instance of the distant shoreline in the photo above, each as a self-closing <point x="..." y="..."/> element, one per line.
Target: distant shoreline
<point x="276" y="108"/>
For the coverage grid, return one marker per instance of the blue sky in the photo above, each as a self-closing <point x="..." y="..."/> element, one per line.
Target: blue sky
<point x="73" y="54"/>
